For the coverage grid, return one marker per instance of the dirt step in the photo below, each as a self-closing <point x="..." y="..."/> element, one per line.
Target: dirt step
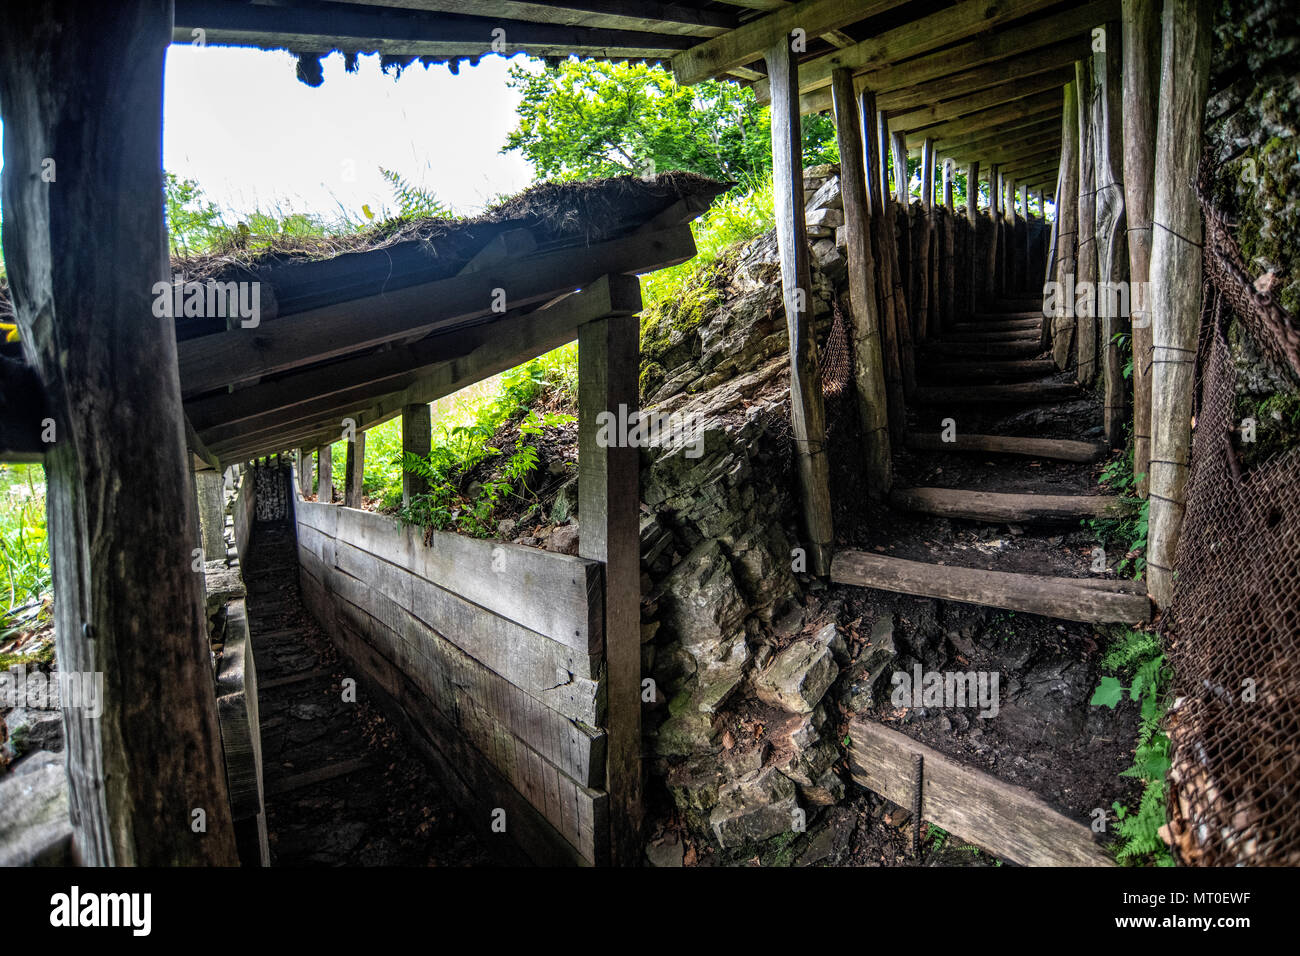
<point x="1068" y="599"/>
<point x="310" y="778"/>
<point x="1009" y="335"/>
<point x="1029" y="393"/>
<point x="1059" y="449"/>
<point x="293" y="679"/>
<point x="1024" y="303"/>
<point x="983" y="351"/>
<point x="1023" y="325"/>
<point x="1000" y="507"/>
<point x="1035" y="314"/>
<point x="990" y="372"/>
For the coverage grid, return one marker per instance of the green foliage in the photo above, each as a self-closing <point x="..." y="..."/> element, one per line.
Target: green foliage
<point x="586" y="119"/>
<point x="414" y="202"/>
<point x="1127" y="528"/>
<point x="193" y="223"/>
<point x="24" y="548"/>
<point x="1139" y="656"/>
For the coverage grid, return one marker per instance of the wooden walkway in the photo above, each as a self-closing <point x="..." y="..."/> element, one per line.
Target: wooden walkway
<point x="342" y="788"/>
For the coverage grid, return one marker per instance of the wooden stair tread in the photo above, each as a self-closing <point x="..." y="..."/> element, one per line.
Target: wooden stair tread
<point x="1057" y="448"/>
<point x="1002" y="506"/>
<point x="1010" y="335"/>
<point x="1027" y="392"/>
<point x="1010" y="822"/>
<point x="1092" y="601"/>
<point x="1035" y="314"/>
<point x="984" y="350"/>
<point x="993" y="373"/>
<point x="316" y="776"/>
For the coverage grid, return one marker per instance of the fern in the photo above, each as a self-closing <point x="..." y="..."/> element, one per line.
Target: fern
<point x="414" y="202"/>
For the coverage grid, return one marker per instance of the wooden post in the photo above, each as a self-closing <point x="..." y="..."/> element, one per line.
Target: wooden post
<point x="922" y="239"/>
<point x="417" y="439"/>
<point x="807" y="415"/>
<point x="1112" y="247"/>
<point x="868" y="355"/>
<point x="972" y="215"/>
<point x="325" y="474"/>
<point x="1175" y="277"/>
<point x="1086" y="268"/>
<point x="991" y="289"/>
<point x="1141" y="45"/>
<point x="1067" y="216"/>
<point x="608" y="514"/>
<point x="899" y="153"/>
<point x="354" y="474"/>
<point x="875" y="151"/>
<point x="947" y="268"/>
<point x="85" y="242"/>
<point x="304" y="470"/>
<point x="892" y="242"/>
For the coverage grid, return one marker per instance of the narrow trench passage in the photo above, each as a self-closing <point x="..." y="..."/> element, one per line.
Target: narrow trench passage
<point x="342" y="787"/>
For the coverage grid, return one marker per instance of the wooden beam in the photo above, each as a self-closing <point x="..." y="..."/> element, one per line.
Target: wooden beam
<point x="1008" y="821"/>
<point x="1085" y="324"/>
<point x="638" y="15"/>
<point x="325" y="473"/>
<point x="1090" y="600"/>
<point x="241" y="355"/>
<point x="608" y="479"/>
<point x="1175" y="276"/>
<point x="1059" y="449"/>
<point x="1001" y="508"/>
<point x="410" y="32"/>
<point x="1020" y="393"/>
<point x="1029" y="108"/>
<point x="807" y="415"/>
<point x="1067" y="215"/>
<point x="1141" y="52"/>
<point x="82" y="85"/>
<point x="305" y="465"/>
<point x="417" y="439"/>
<point x="354" y="474"/>
<point x="868" y="353"/>
<point x="957" y="107"/>
<point x="754" y="39"/>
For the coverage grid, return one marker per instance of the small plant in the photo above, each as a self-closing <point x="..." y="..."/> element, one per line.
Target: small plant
<point x="937" y="836"/>
<point x="1139" y="655"/>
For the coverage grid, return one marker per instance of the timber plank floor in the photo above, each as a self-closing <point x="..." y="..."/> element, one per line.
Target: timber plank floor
<point x="342" y="787"/>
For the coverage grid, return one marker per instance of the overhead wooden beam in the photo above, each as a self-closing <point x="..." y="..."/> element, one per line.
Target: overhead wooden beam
<point x="638" y="15"/>
<point x="752" y="41"/>
<point x="807" y="415"/>
<point x="1011" y="129"/>
<point x="1031" y="107"/>
<point x="1175" y="276"/>
<point x="972" y="103"/>
<point x="82" y="84"/>
<point x="408" y="32"/>
<point x="868" y="353"/>
<point x="240" y="355"/>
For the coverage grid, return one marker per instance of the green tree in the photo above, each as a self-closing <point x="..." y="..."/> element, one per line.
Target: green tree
<point x="193" y="223"/>
<point x="585" y="119"/>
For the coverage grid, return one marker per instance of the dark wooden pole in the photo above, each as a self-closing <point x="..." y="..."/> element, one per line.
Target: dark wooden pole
<point x="354" y="474"/>
<point x="1141" y="52"/>
<point x="325" y="473"/>
<point x="1067" y="214"/>
<point x="81" y="86"/>
<point x="417" y="439"/>
<point x="1175" y="276"/>
<point x="1112" y="247"/>
<point x="892" y="243"/>
<point x="876" y="163"/>
<point x="1086" y="268"/>
<point x="807" y="415"/>
<point x="868" y="355"/>
<point x="972" y="216"/>
<point x="608" y="512"/>
<point x="991" y="290"/>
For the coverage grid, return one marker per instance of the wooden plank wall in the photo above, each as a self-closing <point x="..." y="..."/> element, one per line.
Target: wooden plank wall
<point x="504" y="687"/>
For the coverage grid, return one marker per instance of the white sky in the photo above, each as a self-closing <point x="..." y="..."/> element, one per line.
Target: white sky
<point x="240" y="123"/>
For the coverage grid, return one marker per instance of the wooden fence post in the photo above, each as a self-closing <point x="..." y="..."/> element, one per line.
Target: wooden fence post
<point x="972" y="215"/>
<point x="1067" y="215"/>
<point x="354" y="474"/>
<point x="608" y="516"/>
<point x="807" y="414"/>
<point x="81" y="89"/>
<point x="1175" y="277"/>
<point x="868" y="356"/>
<point x="993" y="254"/>
<point x="304" y="470"/>
<point x="1141" y="46"/>
<point x="1086" y="268"/>
<point x="325" y="474"/>
<point x="417" y="439"/>
<point x="947" y="269"/>
<point x="894" y="235"/>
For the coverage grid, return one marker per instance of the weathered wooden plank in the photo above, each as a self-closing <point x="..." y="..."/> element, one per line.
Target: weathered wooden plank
<point x="1064" y="598"/>
<point x="807" y="414"/>
<point x="1008" y="821"/>
<point x="1002" y="507"/>
<point x="868" y="356"/>
<point x="992" y="351"/>
<point x="1175" y="277"/>
<point x="354" y="471"/>
<point x="1026" y="393"/>
<point x="990" y="372"/>
<point x="325" y="474"/>
<point x="1059" y="449"/>
<point x="1085" y="324"/>
<point x="1030" y="108"/>
<point x="417" y="439"/>
<point x="1067" y="235"/>
<point x="608" y="481"/>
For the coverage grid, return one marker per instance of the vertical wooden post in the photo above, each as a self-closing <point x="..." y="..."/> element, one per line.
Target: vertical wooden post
<point x="947" y="268"/>
<point x="807" y="415"/>
<point x="212" y="513"/>
<point x="868" y="355"/>
<point x="891" y="241"/>
<point x="81" y="90"/>
<point x="1141" y="51"/>
<point x="608" y="514"/>
<point x="922" y="239"/>
<point x="1175" y="276"/>
<point x="304" y="470"/>
<point x="972" y="215"/>
<point x="1067" y="216"/>
<point x="325" y="474"/>
<point x="875" y="152"/>
<point x="1086" y="269"/>
<point x="417" y="439"/>
<point x="899" y="153"/>
<point x="1112" y="248"/>
<point x="991" y="289"/>
<point x="354" y="474"/>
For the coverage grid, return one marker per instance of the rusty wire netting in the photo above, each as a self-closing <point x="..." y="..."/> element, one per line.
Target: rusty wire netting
<point x="1235" y="629"/>
<point x="835" y="366"/>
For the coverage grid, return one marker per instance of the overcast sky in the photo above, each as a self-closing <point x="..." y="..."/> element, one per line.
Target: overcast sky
<point x="240" y="123"/>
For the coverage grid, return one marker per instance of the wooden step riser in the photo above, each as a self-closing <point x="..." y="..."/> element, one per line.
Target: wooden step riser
<point x="1000" y="373"/>
<point x="1004" y="351"/>
<point x="1054" y="448"/>
<point x="1002" y="508"/>
<point x="1061" y="598"/>
<point x="1024" y="393"/>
